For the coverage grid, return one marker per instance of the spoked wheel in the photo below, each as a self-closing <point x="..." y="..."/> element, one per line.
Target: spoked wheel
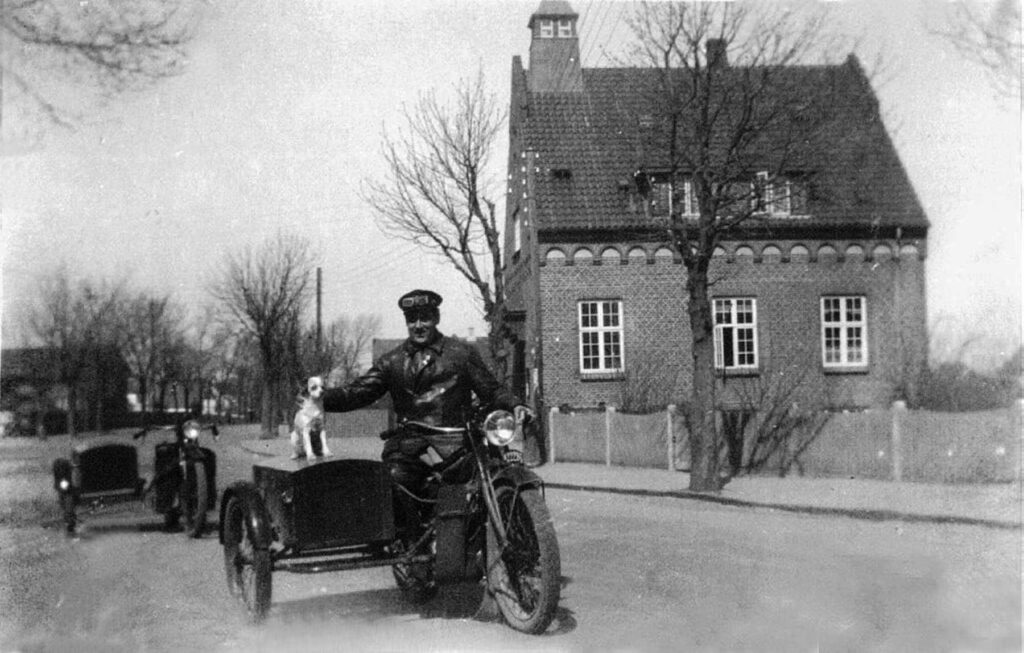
<point x="248" y="568"/>
<point x="525" y="577"/>
<point x="416" y="579"/>
<point x="194" y="498"/>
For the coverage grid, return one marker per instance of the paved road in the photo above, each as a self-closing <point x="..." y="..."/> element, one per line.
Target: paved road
<point x="640" y="573"/>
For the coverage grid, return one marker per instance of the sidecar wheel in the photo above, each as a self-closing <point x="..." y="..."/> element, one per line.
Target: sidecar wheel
<point x="195" y="498"/>
<point x="525" y="578"/>
<point x="248" y="568"/>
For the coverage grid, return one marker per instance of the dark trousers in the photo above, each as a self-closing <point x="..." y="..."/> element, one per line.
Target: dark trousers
<point x="401" y="456"/>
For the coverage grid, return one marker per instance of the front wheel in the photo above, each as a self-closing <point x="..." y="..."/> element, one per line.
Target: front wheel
<point x="248" y="567"/>
<point x="195" y="498"/>
<point x="525" y="576"/>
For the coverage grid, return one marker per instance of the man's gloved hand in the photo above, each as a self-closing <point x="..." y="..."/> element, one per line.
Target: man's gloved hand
<point x="524" y="414"/>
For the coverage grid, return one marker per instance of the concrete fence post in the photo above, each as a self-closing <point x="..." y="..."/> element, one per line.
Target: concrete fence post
<point x="551" y="433"/>
<point x="1018" y="427"/>
<point x="899" y="408"/>
<point x="670" y="436"/>
<point x="609" y="412"/>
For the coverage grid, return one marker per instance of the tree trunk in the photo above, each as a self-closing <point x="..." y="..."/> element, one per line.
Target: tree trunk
<point x="72" y="400"/>
<point x="703" y="433"/>
<point x="268" y="410"/>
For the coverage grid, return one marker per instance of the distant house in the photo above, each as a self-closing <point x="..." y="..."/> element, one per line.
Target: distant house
<point x="826" y="292"/>
<point x="31" y="389"/>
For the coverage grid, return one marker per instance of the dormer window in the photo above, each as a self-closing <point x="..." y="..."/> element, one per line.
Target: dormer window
<point x="780" y="195"/>
<point x="547" y="28"/>
<point x="564" y="28"/>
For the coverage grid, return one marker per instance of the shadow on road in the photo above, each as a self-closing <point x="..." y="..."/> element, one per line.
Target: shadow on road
<point x="452" y="602"/>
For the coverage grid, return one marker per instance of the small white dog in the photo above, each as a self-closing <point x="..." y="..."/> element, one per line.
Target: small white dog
<point x="309" y="420"/>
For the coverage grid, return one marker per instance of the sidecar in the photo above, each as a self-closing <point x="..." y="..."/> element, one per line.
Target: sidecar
<point x="103" y="475"/>
<point x="308" y="518"/>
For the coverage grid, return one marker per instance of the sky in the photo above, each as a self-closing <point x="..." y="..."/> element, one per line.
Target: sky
<point x="278" y="117"/>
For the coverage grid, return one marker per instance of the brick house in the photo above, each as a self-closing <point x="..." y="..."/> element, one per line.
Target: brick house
<point x="823" y="299"/>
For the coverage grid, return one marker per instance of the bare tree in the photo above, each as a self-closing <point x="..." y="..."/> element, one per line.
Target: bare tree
<point x="727" y="122"/>
<point x="345" y="343"/>
<point x="989" y="35"/>
<point x="435" y="193"/>
<point x="75" y="319"/>
<point x="151" y="324"/>
<point x="268" y="290"/>
<point x="52" y="52"/>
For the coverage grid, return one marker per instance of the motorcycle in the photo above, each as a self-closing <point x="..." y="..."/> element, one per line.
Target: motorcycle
<point x="482" y="518"/>
<point x="104" y="474"/>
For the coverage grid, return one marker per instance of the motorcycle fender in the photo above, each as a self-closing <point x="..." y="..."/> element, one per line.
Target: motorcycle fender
<point x="452" y="512"/>
<point x="517" y="476"/>
<point x="257" y="519"/>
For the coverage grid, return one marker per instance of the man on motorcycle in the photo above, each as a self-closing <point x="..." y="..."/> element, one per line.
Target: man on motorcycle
<point x="432" y="379"/>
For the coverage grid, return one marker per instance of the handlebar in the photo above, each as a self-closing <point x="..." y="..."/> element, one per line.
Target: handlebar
<point x="178" y="428"/>
<point x="441" y="430"/>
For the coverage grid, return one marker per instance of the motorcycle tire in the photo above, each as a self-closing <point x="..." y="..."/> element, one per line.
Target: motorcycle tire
<point x="195" y="498"/>
<point x="525" y="578"/>
<point x="248" y="568"/>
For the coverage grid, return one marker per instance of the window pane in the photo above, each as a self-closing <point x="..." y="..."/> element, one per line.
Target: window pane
<point x="613" y="351"/>
<point x="728" y="356"/>
<point x="723" y="311"/>
<point x="745" y="347"/>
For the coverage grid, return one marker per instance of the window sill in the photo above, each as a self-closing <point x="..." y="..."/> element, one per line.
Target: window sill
<point x="602" y="376"/>
<point x="734" y="373"/>
<point x="858" y="369"/>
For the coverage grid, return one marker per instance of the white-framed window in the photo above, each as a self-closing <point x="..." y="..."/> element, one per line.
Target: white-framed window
<point x="844" y="331"/>
<point x="547" y="28"/>
<point x="688" y="199"/>
<point x="764" y="193"/>
<point x="564" y="28"/>
<point x="779" y="195"/>
<point x="668" y="198"/>
<point x="600" y="323"/>
<point x="736" y="333"/>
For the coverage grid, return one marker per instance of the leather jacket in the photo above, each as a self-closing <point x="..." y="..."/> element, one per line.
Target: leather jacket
<point x="437" y="391"/>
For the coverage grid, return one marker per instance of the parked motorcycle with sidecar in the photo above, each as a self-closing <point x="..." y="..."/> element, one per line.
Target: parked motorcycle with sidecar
<point x="484" y="519"/>
<point x="101" y="476"/>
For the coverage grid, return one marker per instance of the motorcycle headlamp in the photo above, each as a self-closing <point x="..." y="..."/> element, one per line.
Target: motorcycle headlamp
<point x="191" y="429"/>
<point x="64" y="484"/>
<point x="500" y="428"/>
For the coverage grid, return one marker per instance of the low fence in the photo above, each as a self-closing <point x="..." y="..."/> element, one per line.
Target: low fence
<point x="894" y="443"/>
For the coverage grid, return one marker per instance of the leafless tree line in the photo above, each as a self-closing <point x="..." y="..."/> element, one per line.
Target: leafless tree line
<point x="249" y="352"/>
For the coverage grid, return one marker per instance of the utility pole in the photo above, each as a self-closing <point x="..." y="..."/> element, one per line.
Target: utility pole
<point x="319" y="309"/>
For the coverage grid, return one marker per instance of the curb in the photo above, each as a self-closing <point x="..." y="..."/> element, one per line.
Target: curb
<point x="853" y="513"/>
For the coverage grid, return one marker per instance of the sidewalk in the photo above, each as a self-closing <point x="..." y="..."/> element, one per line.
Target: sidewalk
<point x="993" y="506"/>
